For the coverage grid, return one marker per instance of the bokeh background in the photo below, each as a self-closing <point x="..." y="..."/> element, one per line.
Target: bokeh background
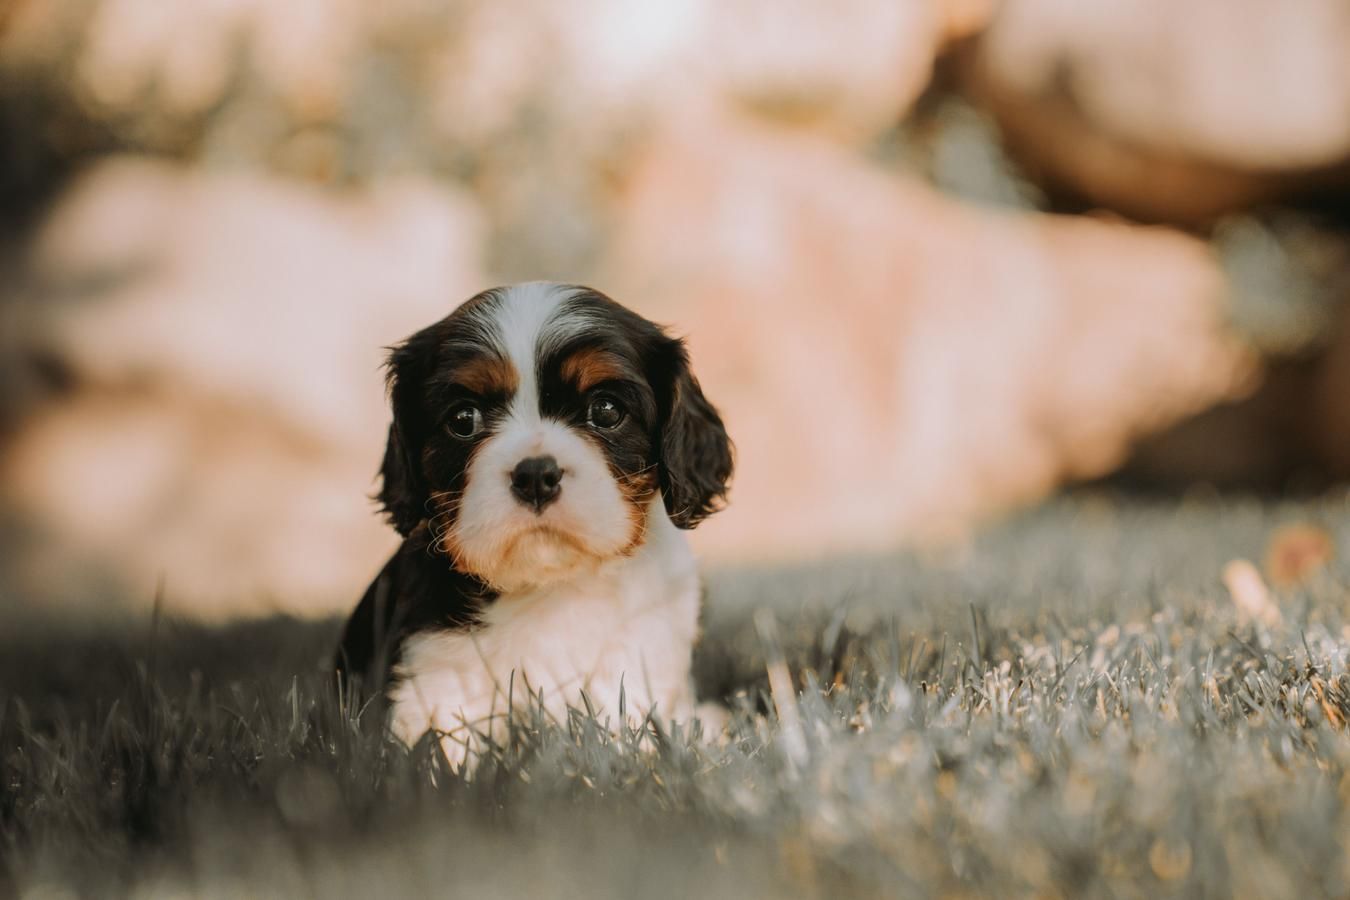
<point x="935" y="260"/>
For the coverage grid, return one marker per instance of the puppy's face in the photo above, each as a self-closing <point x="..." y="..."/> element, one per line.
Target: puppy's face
<point x="535" y="425"/>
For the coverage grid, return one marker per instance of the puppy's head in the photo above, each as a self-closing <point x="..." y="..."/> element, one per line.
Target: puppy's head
<point x="534" y="426"/>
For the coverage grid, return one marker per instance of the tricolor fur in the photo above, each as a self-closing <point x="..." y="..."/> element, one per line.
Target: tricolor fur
<point x="547" y="447"/>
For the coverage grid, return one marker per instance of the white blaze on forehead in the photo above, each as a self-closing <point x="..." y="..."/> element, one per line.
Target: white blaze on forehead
<point x="496" y="537"/>
<point x="526" y="317"/>
<point x="519" y="319"/>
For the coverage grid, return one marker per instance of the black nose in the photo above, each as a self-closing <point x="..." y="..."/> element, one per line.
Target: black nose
<point x="534" y="481"/>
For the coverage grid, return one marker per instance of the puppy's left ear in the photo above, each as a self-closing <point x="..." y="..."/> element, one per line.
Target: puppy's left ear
<point x="696" y="454"/>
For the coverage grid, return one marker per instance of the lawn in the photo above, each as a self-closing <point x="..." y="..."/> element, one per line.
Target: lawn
<point x="1071" y="706"/>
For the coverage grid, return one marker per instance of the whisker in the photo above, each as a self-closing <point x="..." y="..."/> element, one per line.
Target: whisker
<point x="627" y="475"/>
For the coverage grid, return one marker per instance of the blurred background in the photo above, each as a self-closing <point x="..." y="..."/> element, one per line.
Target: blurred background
<point x="935" y="260"/>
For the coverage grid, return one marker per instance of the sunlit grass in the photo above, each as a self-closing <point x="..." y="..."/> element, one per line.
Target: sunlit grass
<point x="1071" y="707"/>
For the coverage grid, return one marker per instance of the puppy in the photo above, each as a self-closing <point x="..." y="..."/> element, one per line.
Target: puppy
<point x="548" y="448"/>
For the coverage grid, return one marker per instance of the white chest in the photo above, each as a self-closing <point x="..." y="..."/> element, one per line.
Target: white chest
<point x="628" y="627"/>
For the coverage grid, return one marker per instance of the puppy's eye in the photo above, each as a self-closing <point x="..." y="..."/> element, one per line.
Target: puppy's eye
<point x="604" y="412"/>
<point x="466" y="422"/>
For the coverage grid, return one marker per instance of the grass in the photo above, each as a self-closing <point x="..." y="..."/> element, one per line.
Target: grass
<point x="1069" y="707"/>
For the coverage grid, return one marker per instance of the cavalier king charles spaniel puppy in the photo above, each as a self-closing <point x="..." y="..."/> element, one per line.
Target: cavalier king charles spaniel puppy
<point x="548" y="448"/>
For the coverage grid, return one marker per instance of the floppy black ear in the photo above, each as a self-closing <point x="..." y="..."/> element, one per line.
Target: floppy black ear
<point x="696" y="454"/>
<point x="403" y="490"/>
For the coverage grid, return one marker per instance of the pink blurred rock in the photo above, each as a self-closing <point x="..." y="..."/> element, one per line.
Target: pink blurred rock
<point x="894" y="365"/>
<point x="228" y="412"/>
<point x="472" y="69"/>
<point x="849" y="68"/>
<point x="1172" y="111"/>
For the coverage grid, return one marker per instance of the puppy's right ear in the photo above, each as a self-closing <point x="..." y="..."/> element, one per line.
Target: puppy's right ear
<point x="403" y="491"/>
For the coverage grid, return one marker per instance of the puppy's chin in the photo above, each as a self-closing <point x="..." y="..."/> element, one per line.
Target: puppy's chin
<point x="531" y="556"/>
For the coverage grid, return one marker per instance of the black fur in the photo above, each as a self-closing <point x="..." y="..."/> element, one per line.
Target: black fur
<point x="418" y="588"/>
<point x="670" y="428"/>
<point x="403" y="489"/>
<point x="414" y="591"/>
<point x="693" y="453"/>
<point x="420" y="397"/>
<point x="696" y="453"/>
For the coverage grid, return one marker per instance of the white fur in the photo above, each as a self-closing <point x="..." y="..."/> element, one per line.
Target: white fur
<point x="513" y="547"/>
<point x="510" y="545"/>
<point x="626" y="624"/>
<point x="574" y="614"/>
<point x="518" y="320"/>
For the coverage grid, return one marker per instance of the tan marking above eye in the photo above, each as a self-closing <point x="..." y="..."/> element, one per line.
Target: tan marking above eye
<point x="587" y="368"/>
<point x="487" y="376"/>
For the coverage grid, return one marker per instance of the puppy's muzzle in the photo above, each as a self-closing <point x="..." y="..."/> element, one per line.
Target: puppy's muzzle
<point x="537" y="481"/>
